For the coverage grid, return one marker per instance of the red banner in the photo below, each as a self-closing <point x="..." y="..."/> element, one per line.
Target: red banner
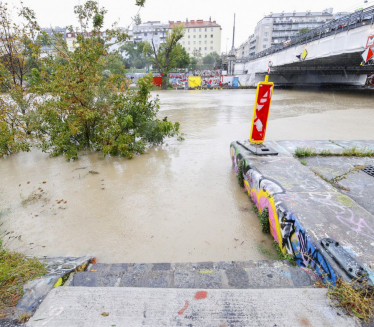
<point x="261" y="112"/>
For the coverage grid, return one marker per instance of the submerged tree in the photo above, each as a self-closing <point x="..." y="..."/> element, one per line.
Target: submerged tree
<point x="84" y="107"/>
<point x="170" y="54"/>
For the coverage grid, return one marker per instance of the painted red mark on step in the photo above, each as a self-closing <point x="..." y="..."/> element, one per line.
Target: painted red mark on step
<point x="201" y="295"/>
<point x="181" y="311"/>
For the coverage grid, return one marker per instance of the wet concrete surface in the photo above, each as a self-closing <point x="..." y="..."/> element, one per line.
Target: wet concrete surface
<point x="177" y="203"/>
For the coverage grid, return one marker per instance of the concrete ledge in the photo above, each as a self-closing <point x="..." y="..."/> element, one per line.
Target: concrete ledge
<point x="303" y="208"/>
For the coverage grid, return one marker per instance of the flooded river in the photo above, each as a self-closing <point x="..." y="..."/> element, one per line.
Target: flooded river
<point x="178" y="202"/>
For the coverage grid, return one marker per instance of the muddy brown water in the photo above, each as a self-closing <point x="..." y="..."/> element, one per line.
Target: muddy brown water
<point x="178" y="202"/>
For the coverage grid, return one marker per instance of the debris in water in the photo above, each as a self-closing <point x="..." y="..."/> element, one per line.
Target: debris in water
<point x="93" y="172"/>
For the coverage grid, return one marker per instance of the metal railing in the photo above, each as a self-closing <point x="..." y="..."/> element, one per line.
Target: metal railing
<point x="345" y="23"/>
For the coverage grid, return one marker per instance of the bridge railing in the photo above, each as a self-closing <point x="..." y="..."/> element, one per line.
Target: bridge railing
<point x="356" y="19"/>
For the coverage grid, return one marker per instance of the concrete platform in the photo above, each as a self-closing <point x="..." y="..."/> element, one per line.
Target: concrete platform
<point x="306" y="205"/>
<point x="112" y="306"/>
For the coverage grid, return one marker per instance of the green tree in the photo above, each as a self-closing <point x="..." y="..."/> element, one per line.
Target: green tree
<point x="84" y="107"/>
<point x="19" y="53"/>
<point x="212" y="60"/>
<point x="136" y="55"/>
<point x="169" y="54"/>
<point x="114" y="64"/>
<point x="303" y="30"/>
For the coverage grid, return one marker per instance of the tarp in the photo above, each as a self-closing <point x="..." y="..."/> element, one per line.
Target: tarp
<point x="227" y="79"/>
<point x="235" y="81"/>
<point x="157" y="80"/>
<point x="194" y="81"/>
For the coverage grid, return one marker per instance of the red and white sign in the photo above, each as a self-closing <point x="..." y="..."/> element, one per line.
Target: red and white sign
<point x="367" y="55"/>
<point x="261" y="112"/>
<point x="370" y="42"/>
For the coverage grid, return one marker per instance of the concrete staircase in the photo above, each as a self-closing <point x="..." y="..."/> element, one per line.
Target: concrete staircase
<point x="205" y="275"/>
<point x="240" y="293"/>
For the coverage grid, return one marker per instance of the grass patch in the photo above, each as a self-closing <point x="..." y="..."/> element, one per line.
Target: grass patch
<point x="356" y="298"/>
<point x="240" y="173"/>
<point x="303" y="162"/>
<point x="350" y="152"/>
<point x="15" y="271"/>
<point x="305" y="152"/>
<point x="282" y="256"/>
<point x="265" y="251"/>
<point x="263" y="217"/>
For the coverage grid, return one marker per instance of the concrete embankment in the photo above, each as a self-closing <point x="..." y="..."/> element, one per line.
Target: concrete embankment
<point x="314" y="202"/>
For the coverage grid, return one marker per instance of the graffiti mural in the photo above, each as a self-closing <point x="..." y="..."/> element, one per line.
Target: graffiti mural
<point x="284" y="225"/>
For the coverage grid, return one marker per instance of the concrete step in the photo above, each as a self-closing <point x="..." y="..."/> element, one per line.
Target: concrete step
<point x="119" y="306"/>
<point x="207" y="275"/>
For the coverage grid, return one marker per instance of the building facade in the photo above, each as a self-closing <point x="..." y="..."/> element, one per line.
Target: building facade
<point x="200" y="36"/>
<point x="153" y="31"/>
<point x="278" y="28"/>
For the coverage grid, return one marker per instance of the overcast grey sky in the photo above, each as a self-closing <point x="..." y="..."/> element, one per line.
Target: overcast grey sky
<point x="248" y="13"/>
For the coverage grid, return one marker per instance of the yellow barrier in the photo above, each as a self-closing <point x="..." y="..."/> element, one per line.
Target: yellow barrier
<point x="194" y="81"/>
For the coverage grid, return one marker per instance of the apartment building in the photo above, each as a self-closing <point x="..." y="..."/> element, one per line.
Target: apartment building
<point x="277" y="28"/>
<point x="200" y="36"/>
<point x="150" y="31"/>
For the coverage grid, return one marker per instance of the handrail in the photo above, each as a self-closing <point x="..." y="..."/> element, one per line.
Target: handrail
<point x="335" y="26"/>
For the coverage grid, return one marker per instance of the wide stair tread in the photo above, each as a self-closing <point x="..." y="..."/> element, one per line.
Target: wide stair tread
<point x="129" y="306"/>
<point x="206" y="275"/>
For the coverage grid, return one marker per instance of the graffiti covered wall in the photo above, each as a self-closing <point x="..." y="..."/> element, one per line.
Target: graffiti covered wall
<point x="284" y="225"/>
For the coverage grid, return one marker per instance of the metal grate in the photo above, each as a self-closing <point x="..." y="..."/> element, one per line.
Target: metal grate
<point x="369" y="170"/>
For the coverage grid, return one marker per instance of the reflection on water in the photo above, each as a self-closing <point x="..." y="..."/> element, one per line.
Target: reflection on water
<point x="179" y="202"/>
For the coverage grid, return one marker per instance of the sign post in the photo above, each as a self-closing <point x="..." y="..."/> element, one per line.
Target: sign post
<point x="260" y="119"/>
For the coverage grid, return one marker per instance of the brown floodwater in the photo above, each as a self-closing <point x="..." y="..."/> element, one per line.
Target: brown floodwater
<point x="178" y="202"/>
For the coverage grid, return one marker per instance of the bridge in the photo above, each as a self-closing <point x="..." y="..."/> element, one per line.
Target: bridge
<point x="329" y="54"/>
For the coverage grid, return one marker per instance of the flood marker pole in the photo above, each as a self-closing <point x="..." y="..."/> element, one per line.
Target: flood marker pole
<point x="259" y="120"/>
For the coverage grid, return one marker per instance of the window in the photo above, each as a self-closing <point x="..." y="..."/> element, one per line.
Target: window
<point x="194" y="42"/>
<point x="211" y="42"/>
<point x="194" y="36"/>
<point x="211" y="48"/>
<point x="199" y="36"/>
<point x="211" y="35"/>
<point x="145" y="34"/>
<point x="188" y="42"/>
<point x="206" y="36"/>
<point x="199" y="48"/>
<point x="194" y="30"/>
<point x="205" y="42"/>
<point x="264" y="46"/>
<point x="205" y="48"/>
<point x="199" y="29"/>
<point x="266" y="34"/>
<point x="205" y="29"/>
<point x="265" y="39"/>
<point x="188" y="36"/>
<point x="211" y="29"/>
<point x="199" y="42"/>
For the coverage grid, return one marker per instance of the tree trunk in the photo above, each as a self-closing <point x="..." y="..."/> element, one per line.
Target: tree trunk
<point x="165" y="81"/>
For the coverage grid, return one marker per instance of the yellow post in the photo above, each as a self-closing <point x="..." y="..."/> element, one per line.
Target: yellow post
<point x="266" y="78"/>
